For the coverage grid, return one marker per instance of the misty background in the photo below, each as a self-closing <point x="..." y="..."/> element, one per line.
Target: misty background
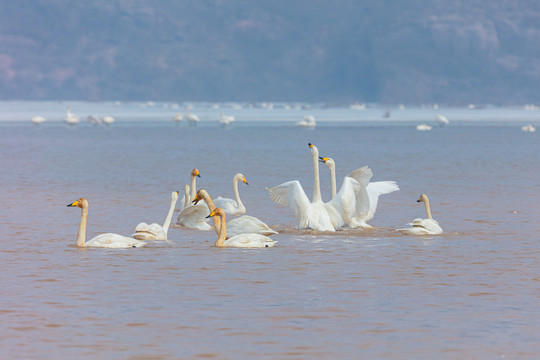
<point x="340" y="51"/>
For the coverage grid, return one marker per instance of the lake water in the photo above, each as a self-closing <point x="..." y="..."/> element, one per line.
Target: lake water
<point x="471" y="293"/>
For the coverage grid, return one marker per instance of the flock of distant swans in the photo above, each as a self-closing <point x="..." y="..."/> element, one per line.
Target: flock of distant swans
<point x="351" y="207"/>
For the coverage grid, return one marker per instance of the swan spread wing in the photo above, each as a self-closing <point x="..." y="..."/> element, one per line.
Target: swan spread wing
<point x="374" y="190"/>
<point x="248" y="224"/>
<point x="341" y="208"/>
<point x="363" y="175"/>
<point x="114" y="241"/>
<point x="292" y="194"/>
<point x="194" y="216"/>
<point x="250" y="241"/>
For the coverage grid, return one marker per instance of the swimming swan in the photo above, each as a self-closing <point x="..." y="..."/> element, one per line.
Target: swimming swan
<point x="191" y="118"/>
<point x="242" y="240"/>
<point x="103" y="240"/>
<point x="154" y="231"/>
<point x="230" y="206"/>
<point x="240" y="225"/>
<point x="367" y="195"/>
<point x="427" y="226"/>
<point x="315" y="214"/>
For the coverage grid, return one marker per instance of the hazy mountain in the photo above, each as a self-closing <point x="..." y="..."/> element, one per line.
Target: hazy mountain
<point x="315" y="50"/>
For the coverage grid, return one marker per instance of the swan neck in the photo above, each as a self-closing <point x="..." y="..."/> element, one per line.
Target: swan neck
<point x="236" y="193"/>
<point x="220" y="242"/>
<point x="81" y="234"/>
<point x="186" y="196"/>
<point x="210" y="203"/>
<point x="168" y="219"/>
<point x="333" y="180"/>
<point x="428" y="210"/>
<point x="316" y="181"/>
<point x="193" y="188"/>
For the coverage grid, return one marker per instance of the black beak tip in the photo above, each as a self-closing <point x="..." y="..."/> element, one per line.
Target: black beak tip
<point x="417" y="200"/>
<point x="208" y="216"/>
<point x="309" y="144"/>
<point x="247" y="183"/>
<point x="198" y="175"/>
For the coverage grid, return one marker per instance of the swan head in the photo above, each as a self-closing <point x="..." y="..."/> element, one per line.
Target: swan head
<point x="216" y="212"/>
<point x="195" y="172"/>
<point x="82" y="203"/>
<point x="241" y="178"/>
<point x="313" y="149"/>
<point x="200" y="195"/>
<point x="174" y="195"/>
<point x="422" y="198"/>
<point x="327" y="161"/>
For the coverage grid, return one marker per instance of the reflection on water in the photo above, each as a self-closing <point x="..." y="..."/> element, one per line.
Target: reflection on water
<point x="469" y="293"/>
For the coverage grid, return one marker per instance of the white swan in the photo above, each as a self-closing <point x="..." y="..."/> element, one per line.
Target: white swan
<point x="186" y="200"/>
<point x="225" y="119"/>
<point x="38" y="120"/>
<point x="242" y="240"/>
<point x="367" y="195"/>
<point x="309" y="215"/>
<point x="107" y="120"/>
<point x="308" y="121"/>
<point x="71" y="119"/>
<point x="423" y="127"/>
<point x="427" y="226"/>
<point x="103" y="240"/>
<point x="240" y="225"/>
<point x="528" y="128"/>
<point x="154" y="231"/>
<point x="191" y="118"/>
<point x="443" y="120"/>
<point x="230" y="206"/>
<point x="177" y="118"/>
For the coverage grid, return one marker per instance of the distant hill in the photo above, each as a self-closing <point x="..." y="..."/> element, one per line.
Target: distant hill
<point x="454" y="52"/>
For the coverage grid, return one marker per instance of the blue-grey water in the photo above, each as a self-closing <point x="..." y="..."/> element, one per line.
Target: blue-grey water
<point x="473" y="292"/>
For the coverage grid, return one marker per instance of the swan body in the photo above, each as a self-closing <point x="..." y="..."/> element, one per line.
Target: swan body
<point x="71" y="119"/>
<point x="443" y="120"/>
<point x="107" y="240"/>
<point x="240" y="225"/>
<point x="308" y="122"/>
<point x="242" y="240"/>
<point x="528" y="128"/>
<point x="365" y="194"/>
<point x="230" y="206"/>
<point x="191" y="118"/>
<point x="154" y="231"/>
<point x="107" y="120"/>
<point x="309" y="214"/>
<point x="427" y="226"/>
<point x="225" y="119"/>
<point x="194" y="217"/>
<point x="38" y="120"/>
<point x="423" y="127"/>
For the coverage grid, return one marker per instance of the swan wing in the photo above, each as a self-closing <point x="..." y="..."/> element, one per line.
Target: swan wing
<point x="250" y="241"/>
<point x="422" y="227"/>
<point x="230" y="206"/>
<point x="292" y="194"/>
<point x="248" y="224"/>
<point x="194" y="217"/>
<point x="374" y="190"/>
<point x="341" y="208"/>
<point x="114" y="241"/>
<point x="363" y="175"/>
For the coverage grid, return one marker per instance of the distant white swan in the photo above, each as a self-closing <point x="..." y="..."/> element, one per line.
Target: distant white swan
<point x="107" y="120"/>
<point x="177" y="118"/>
<point x="442" y="119"/>
<point x="423" y="127"/>
<point x="427" y="226"/>
<point x="528" y="128"/>
<point x="71" y="119"/>
<point x="309" y="214"/>
<point x="225" y="119"/>
<point x="230" y="206"/>
<point x="366" y="194"/>
<point x="191" y="118"/>
<point x="242" y="240"/>
<point x="103" y="240"/>
<point x="38" y="120"/>
<point x="308" y="122"/>
<point x="154" y="231"/>
<point x="240" y="225"/>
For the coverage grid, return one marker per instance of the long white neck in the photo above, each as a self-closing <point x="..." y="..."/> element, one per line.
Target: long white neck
<point x="222" y="231"/>
<point x="168" y="219"/>
<point x="428" y="210"/>
<point x="316" y="181"/>
<point x="237" y="194"/>
<point x="332" y="168"/>
<point x="193" y="187"/>
<point x="186" y="196"/>
<point x="210" y="203"/>
<point x="81" y="235"/>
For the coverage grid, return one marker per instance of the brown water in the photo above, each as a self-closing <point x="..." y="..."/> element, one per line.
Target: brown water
<point x="471" y="293"/>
